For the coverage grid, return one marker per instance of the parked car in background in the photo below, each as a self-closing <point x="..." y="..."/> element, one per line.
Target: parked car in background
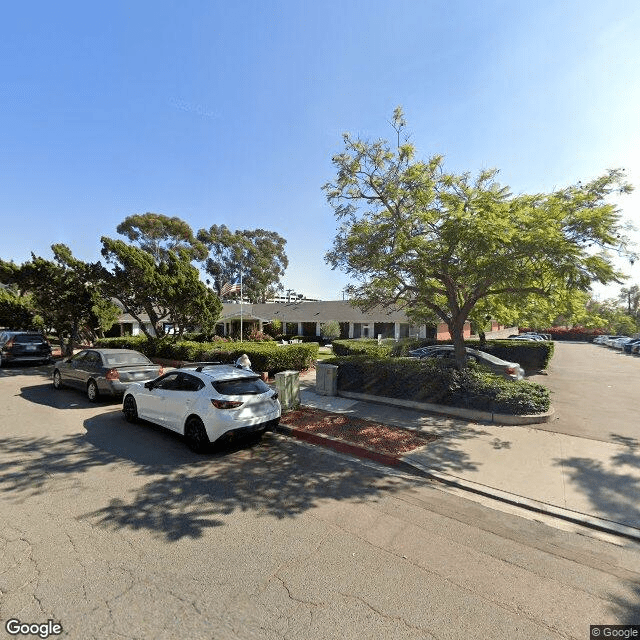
<point x="635" y="349"/>
<point x="205" y="403"/>
<point x="620" y="342"/>
<point x="609" y="340"/>
<point x="510" y="370"/>
<point x="104" y="371"/>
<point x="628" y="346"/>
<point x="523" y="336"/>
<point x="24" y="346"/>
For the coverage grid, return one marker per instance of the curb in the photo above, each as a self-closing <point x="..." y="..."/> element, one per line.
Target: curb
<point x="470" y="414"/>
<point x="592" y="522"/>
<point x="340" y="446"/>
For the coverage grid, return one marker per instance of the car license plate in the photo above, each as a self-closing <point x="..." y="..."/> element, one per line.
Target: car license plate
<point x="31" y="347"/>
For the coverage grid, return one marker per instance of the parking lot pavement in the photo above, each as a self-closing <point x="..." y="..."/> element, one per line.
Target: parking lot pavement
<point x="118" y="530"/>
<point x="556" y="468"/>
<point x="594" y="391"/>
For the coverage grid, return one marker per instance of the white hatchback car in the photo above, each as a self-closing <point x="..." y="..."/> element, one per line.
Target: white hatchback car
<point x="205" y="403"/>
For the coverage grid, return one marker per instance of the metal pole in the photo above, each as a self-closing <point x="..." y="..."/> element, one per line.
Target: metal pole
<point x="240" y="303"/>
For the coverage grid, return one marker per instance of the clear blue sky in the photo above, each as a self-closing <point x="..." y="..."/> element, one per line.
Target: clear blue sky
<point x="229" y="113"/>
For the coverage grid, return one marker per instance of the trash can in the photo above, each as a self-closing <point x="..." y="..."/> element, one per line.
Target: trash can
<point x="288" y="387"/>
<point x="326" y="379"/>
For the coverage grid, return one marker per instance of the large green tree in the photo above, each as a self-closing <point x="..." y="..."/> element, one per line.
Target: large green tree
<point x="630" y="297"/>
<point x="166" y="290"/>
<point x="15" y="311"/>
<point x="63" y="293"/>
<point x="435" y="243"/>
<point x="258" y="253"/>
<point x="157" y="234"/>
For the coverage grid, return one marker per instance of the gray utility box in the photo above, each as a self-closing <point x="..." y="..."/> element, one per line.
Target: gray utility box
<point x="326" y="379"/>
<point x="288" y="387"/>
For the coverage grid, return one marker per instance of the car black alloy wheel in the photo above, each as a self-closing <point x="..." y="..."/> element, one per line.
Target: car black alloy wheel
<point x="130" y="409"/>
<point x="196" y="435"/>
<point x="57" y="380"/>
<point x="92" y="391"/>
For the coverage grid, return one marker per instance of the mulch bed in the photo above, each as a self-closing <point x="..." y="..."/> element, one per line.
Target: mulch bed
<point x="382" y="438"/>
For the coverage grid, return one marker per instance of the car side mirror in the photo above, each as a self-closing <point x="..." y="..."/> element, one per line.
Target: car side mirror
<point x="149" y="385"/>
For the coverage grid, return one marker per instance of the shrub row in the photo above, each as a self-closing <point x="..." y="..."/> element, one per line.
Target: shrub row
<point x="576" y="333"/>
<point x="440" y="382"/>
<point x="264" y="356"/>
<point x="532" y="356"/>
<point x="362" y="346"/>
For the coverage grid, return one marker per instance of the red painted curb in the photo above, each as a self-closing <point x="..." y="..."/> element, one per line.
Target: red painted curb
<point x="342" y="447"/>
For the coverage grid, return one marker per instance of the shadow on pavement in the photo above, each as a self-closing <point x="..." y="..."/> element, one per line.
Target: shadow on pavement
<point x="26" y="369"/>
<point x="46" y="395"/>
<point x="614" y="492"/>
<point x="186" y="493"/>
<point x="627" y="610"/>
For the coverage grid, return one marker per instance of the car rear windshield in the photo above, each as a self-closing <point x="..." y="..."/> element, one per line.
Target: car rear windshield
<point x="28" y="337"/>
<point x="116" y="359"/>
<point x="240" y="386"/>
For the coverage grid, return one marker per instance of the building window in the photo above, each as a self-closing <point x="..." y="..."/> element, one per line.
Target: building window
<point x="384" y="329"/>
<point x="308" y="328"/>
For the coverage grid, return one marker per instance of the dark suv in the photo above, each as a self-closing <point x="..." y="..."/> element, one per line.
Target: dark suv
<point x="23" y="346"/>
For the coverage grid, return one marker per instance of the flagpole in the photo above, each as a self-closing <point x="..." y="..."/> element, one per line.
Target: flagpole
<point x="240" y="302"/>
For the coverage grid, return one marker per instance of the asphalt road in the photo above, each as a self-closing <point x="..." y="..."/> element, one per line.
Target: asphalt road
<point x="595" y="391"/>
<point x="119" y="531"/>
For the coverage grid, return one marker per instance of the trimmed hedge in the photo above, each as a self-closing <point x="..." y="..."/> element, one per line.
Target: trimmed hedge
<point x="575" y="333"/>
<point x="264" y="356"/>
<point x="369" y="347"/>
<point x="440" y="382"/>
<point x="531" y="356"/>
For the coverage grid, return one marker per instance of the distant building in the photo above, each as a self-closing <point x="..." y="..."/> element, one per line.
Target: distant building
<point x="305" y="318"/>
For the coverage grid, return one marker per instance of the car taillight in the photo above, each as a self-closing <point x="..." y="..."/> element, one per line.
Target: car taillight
<point x="510" y="370"/>
<point x="112" y="374"/>
<point x="8" y="344"/>
<point x="225" y="404"/>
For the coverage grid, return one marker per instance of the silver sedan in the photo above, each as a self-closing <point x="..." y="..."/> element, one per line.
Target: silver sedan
<point x="104" y="371"/>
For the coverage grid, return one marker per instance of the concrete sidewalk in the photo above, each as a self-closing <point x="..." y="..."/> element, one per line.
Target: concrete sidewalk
<point x="587" y="481"/>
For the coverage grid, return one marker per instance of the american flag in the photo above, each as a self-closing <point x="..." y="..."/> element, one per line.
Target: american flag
<point x="231" y="287"/>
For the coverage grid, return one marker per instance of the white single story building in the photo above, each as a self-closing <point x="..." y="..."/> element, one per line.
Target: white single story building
<point x="305" y="318"/>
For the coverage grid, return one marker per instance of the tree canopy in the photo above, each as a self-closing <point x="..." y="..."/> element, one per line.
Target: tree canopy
<point x="168" y="290"/>
<point x="157" y="234"/>
<point x="257" y="252"/>
<point x="435" y="243"/>
<point x="62" y="294"/>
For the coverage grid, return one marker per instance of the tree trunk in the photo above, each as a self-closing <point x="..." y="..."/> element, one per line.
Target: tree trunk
<point x="483" y="338"/>
<point x="456" y="330"/>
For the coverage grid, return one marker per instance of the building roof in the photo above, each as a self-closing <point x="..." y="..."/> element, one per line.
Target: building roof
<point x="302" y="311"/>
<point x="307" y="311"/>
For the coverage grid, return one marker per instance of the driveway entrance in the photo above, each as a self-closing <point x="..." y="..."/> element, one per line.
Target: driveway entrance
<point x="595" y="392"/>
